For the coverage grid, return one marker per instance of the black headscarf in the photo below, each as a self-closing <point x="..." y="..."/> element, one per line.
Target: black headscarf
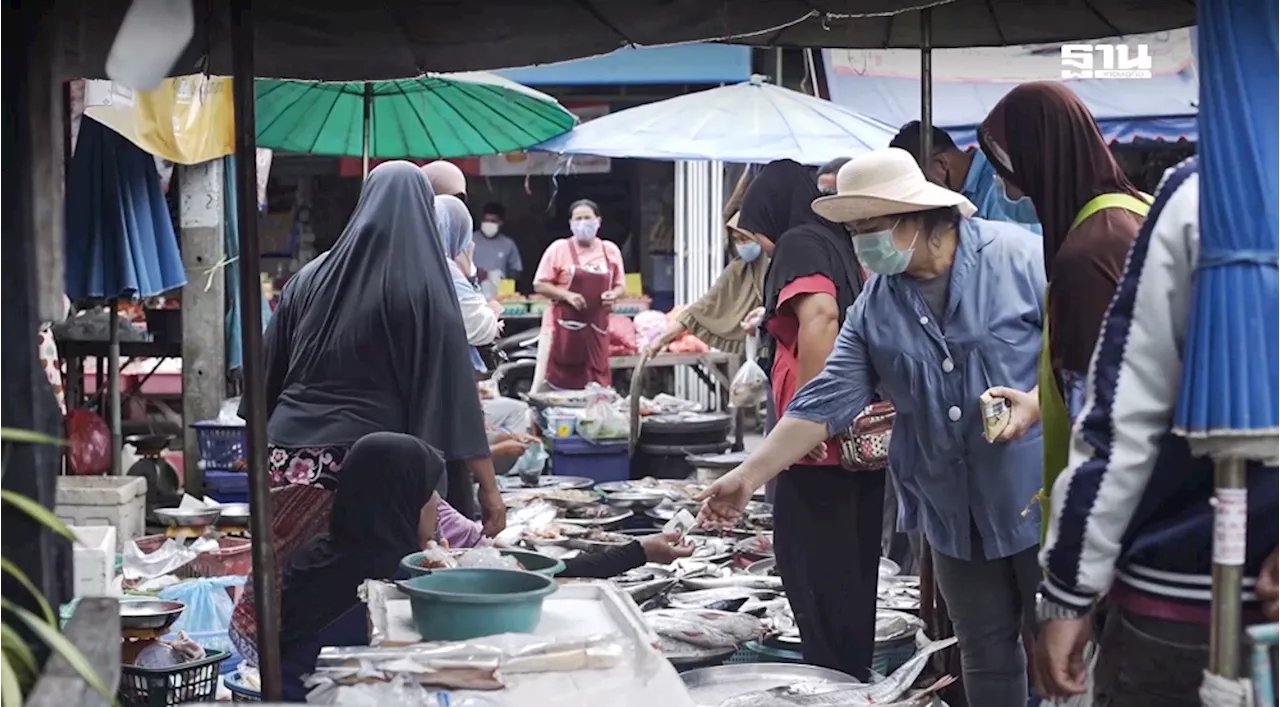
<point x="386" y="480"/>
<point x="370" y="338"/>
<point x="779" y="204"/>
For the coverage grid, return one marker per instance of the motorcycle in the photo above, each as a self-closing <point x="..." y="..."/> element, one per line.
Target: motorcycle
<point x="513" y="376"/>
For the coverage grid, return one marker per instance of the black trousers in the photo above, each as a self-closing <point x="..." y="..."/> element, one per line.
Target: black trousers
<point x="461" y="492"/>
<point x="827" y="527"/>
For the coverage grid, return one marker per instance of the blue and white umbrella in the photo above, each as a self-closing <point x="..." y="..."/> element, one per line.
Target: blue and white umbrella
<point x="1228" y="406"/>
<point x="750" y="122"/>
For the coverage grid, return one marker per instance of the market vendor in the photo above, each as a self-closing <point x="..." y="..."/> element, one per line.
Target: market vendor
<point x="718" y="316"/>
<point x="381" y="512"/>
<point x="582" y="275"/>
<point x="456" y="531"/>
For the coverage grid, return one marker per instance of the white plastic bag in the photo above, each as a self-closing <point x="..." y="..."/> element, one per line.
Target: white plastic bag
<point x="532" y="461"/>
<point x="750" y="385"/>
<point x="600" y="419"/>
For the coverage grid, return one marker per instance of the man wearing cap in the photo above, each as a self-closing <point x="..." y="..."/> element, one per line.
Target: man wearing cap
<point x="952" y="318"/>
<point x="970" y="174"/>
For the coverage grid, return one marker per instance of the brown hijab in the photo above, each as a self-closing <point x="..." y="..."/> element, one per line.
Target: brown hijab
<point x="1042" y="138"/>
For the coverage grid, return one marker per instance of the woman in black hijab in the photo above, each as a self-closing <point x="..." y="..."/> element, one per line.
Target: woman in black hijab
<point x="379" y="513"/>
<point x="826" y="519"/>
<point x="367" y="338"/>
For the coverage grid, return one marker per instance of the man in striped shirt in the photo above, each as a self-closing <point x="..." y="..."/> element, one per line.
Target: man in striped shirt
<point x="1131" y="514"/>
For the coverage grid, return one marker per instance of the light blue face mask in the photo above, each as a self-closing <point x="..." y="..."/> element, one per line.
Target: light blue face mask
<point x="749" y="252"/>
<point x="877" y="252"/>
<point x="1017" y="210"/>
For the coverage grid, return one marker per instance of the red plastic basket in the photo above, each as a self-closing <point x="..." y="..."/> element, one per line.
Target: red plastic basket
<point x="234" y="557"/>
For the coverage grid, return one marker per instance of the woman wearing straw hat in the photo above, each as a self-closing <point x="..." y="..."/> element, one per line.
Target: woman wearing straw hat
<point x="955" y="310"/>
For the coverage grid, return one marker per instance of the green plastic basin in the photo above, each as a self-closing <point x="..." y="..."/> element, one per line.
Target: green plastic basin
<point x="533" y="562"/>
<point x="457" y="604"/>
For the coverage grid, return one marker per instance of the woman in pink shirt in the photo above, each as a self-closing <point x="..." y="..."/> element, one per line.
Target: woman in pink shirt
<point x="582" y="276"/>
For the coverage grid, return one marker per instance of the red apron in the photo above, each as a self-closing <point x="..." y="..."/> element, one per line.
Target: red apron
<point x="580" y="339"/>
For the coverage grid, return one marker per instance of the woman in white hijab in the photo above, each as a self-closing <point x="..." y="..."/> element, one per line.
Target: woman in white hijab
<point x="455" y="228"/>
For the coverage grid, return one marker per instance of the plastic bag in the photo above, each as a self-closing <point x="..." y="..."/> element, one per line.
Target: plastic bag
<point x="622" y="336"/>
<point x="89" y="440"/>
<point x="532" y="462"/>
<point x="750" y="385"/>
<point x="229" y="413"/>
<point x="487" y="557"/>
<point x="649" y="325"/>
<point x="207" y="616"/>
<point x="600" y="420"/>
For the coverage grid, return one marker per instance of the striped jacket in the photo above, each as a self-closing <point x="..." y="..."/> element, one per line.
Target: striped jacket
<point x="1133" y="506"/>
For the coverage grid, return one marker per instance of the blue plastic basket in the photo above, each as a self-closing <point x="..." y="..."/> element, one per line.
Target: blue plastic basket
<point x="222" y="447"/>
<point x="239" y="691"/>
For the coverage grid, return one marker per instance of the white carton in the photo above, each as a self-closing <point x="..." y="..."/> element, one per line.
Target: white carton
<point x="118" y="501"/>
<point x="95" y="560"/>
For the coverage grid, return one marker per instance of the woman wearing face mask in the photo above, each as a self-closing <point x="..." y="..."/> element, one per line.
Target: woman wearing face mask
<point x="1091" y="215"/>
<point x="718" y="318"/>
<point x="582" y="275"/>
<point x="955" y="308"/>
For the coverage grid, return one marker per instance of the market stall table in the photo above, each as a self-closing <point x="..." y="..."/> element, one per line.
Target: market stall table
<point x="715" y="368"/>
<point x="145" y="372"/>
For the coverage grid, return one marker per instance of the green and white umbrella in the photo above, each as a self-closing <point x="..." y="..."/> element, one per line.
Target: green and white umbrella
<point x="431" y="116"/>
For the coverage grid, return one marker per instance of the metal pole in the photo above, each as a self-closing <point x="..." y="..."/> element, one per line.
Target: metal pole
<point x="368" y="127"/>
<point x="246" y="185"/>
<point x="929" y="610"/>
<point x="113" y="385"/>
<point x="1230" y="516"/>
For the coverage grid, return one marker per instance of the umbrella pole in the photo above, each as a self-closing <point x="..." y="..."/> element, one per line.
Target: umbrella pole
<point x="113" y="385"/>
<point x="265" y="575"/>
<point x="929" y="610"/>
<point x="1230" y="515"/>
<point x="368" y="127"/>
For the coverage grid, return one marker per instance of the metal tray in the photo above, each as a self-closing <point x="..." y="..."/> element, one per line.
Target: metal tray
<point x="710" y="687"/>
<point x="634" y="498"/>
<point x="148" y="614"/>
<point x="888" y="568"/>
<point x="234" y="514"/>
<point x="621" y="515"/>
<point x="176" y="517"/>
<point x="513" y="483"/>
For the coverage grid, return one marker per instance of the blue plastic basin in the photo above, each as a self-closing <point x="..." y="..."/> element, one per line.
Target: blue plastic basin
<point x="532" y="561"/>
<point x="457" y="604"/>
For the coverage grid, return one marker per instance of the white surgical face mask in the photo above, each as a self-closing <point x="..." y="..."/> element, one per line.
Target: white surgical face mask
<point x="489" y="228"/>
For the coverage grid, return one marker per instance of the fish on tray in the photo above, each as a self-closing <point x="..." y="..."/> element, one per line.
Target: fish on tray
<point x="692" y="632"/>
<point x="720" y="599"/>
<point x="886" y="693"/>
<point x="746" y="581"/>
<point x="742" y="627"/>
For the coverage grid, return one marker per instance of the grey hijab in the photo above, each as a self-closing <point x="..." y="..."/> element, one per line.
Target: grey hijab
<point x="370" y="338"/>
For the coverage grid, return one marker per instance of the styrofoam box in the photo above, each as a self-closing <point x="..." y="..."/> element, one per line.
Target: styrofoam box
<point x="118" y="501"/>
<point x="95" y="560"/>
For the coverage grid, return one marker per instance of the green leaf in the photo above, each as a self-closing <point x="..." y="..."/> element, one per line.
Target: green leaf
<point x="13" y="571"/>
<point x="63" y="647"/>
<point x="10" y="690"/>
<point x="38" y="512"/>
<point x="16" y="646"/>
<point x="13" y="434"/>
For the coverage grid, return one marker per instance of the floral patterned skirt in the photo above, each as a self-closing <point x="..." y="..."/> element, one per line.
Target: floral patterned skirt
<point x="305" y="466"/>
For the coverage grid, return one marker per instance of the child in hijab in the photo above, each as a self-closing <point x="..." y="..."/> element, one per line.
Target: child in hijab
<point x="380" y="512"/>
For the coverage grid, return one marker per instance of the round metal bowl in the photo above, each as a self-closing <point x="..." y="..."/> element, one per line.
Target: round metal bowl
<point x="634" y="499"/>
<point x="188" y="519"/>
<point x="234" y="514"/>
<point x="148" y="614"/>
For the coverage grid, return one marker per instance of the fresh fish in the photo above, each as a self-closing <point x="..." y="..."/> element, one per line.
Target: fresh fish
<point x="884" y="693"/>
<point x="747" y="581"/>
<point x="658" y="601"/>
<point x="691" y="632"/>
<point x="644" y="590"/>
<point x="721" y="598"/>
<point x="742" y="627"/>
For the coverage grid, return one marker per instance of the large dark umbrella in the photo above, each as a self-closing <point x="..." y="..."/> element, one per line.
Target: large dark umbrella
<point x="395" y="39"/>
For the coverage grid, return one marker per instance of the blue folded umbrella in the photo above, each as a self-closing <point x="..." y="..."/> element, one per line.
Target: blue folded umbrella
<point x="119" y="240"/>
<point x="1231" y="364"/>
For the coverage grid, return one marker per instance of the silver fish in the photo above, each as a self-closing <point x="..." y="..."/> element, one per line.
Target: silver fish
<point x="742" y="627"/>
<point x="642" y="591"/>
<point x="885" y="692"/>
<point x="705" y="598"/>
<point x="691" y="632"/>
<point x="747" y="581"/>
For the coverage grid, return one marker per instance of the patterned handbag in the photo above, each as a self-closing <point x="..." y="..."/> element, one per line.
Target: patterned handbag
<point x="865" y="447"/>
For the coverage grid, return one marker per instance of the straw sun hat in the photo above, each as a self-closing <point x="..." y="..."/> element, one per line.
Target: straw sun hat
<point x="885" y="182"/>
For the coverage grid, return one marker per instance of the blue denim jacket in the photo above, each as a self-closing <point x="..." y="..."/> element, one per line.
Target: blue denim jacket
<point x="945" y="470"/>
